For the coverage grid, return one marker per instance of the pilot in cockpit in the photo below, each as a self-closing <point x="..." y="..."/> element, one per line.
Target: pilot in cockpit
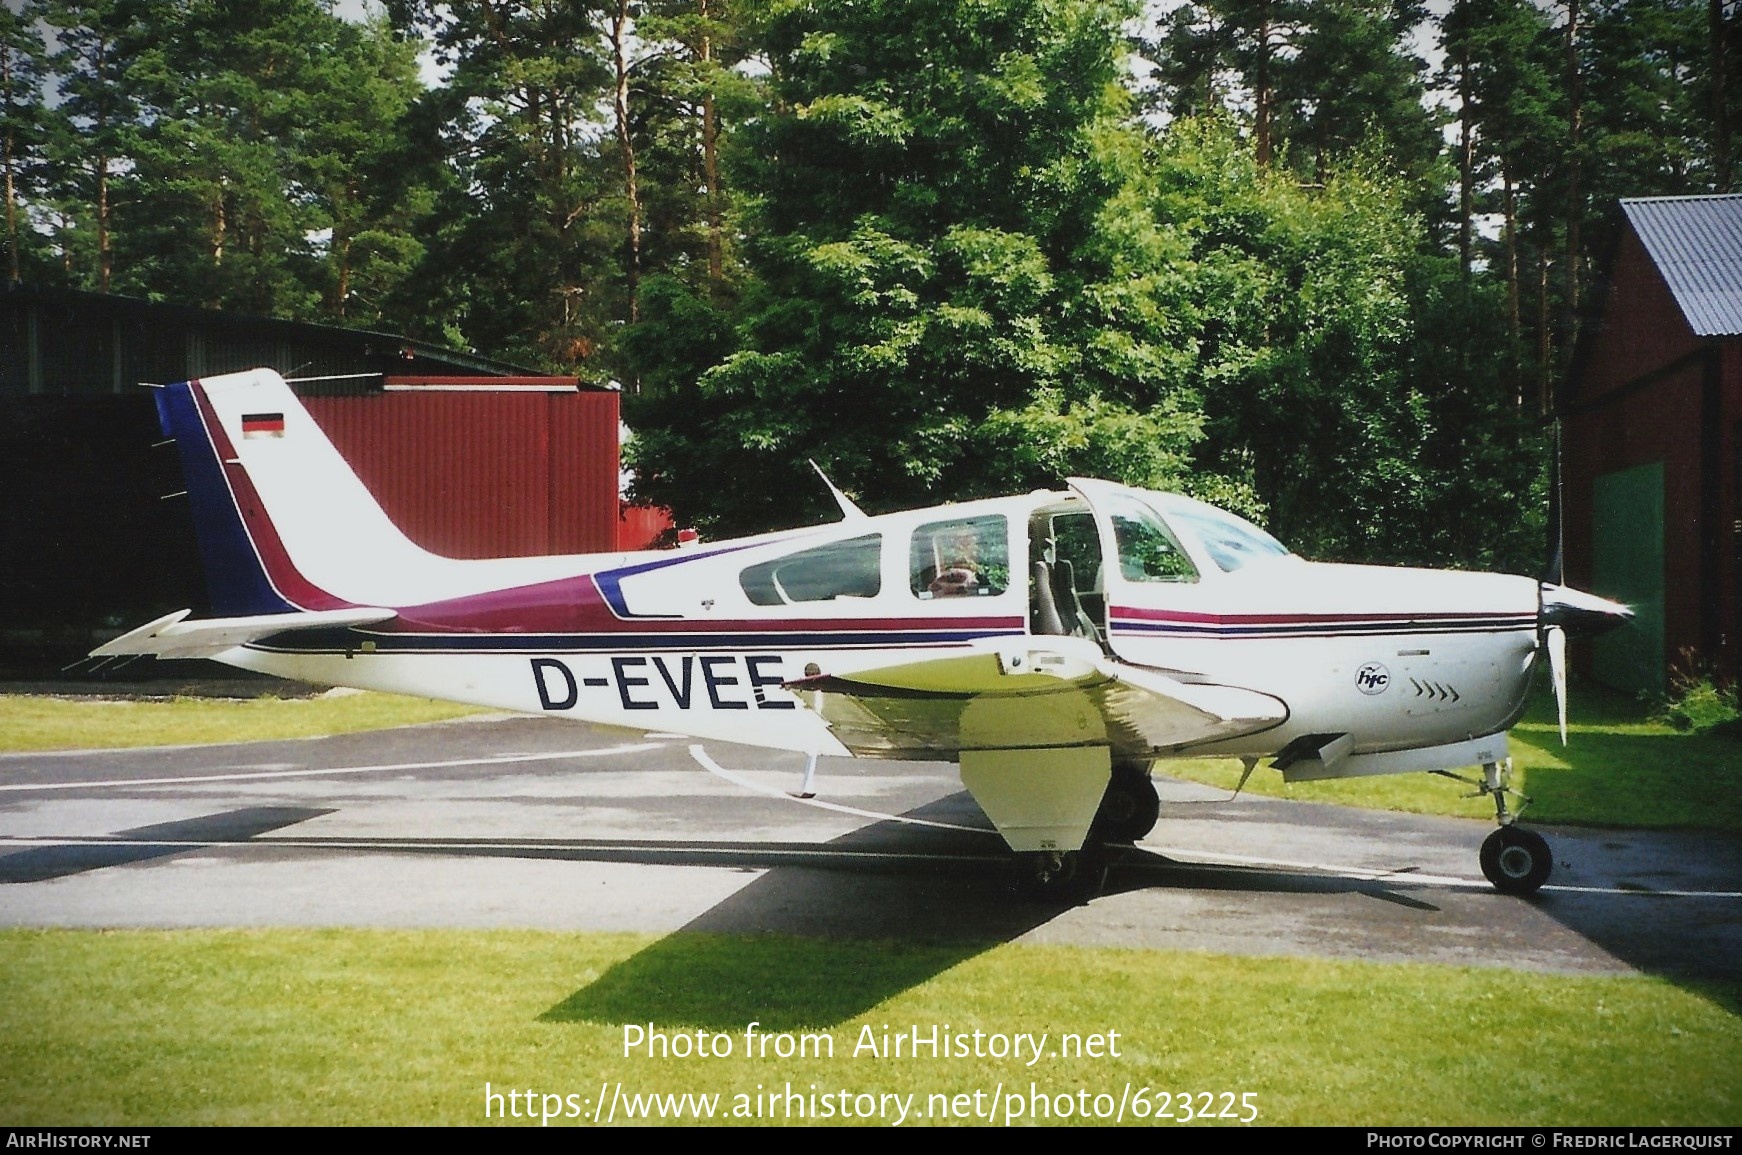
<point x="958" y="567"/>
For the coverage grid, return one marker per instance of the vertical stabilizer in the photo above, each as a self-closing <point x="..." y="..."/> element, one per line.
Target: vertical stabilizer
<point x="284" y="523"/>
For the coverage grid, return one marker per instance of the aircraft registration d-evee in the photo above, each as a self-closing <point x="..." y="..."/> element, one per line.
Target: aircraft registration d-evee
<point x="1056" y="645"/>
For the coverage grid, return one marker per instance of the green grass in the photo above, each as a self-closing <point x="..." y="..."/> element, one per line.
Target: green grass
<point x="39" y="723"/>
<point x="397" y="1027"/>
<point x="1621" y="767"/>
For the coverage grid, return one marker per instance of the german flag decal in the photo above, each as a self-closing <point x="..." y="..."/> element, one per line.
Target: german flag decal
<point x="262" y="425"/>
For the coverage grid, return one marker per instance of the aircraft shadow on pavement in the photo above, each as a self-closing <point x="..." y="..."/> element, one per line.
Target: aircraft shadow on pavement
<point x="143" y="843"/>
<point x="1690" y="941"/>
<point x="820" y="942"/>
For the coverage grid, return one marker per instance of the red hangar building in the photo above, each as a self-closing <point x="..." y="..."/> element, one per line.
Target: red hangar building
<point x="1652" y="444"/>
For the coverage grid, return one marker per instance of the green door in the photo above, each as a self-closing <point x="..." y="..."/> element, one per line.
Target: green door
<point x="1627" y="565"/>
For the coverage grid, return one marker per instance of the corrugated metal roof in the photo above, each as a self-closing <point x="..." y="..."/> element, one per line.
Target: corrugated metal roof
<point x="157" y="314"/>
<point x="1696" y="243"/>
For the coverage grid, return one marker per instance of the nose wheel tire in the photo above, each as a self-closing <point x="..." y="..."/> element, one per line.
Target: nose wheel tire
<point x="1516" y="861"/>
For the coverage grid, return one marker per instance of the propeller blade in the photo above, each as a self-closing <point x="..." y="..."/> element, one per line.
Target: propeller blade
<point x="1556" y="640"/>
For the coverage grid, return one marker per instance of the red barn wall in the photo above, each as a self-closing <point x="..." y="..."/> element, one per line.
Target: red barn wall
<point x="485" y="473"/>
<point x="1642" y="328"/>
<point x="1631" y="409"/>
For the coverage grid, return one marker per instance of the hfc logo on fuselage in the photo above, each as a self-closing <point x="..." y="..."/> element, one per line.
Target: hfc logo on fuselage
<point x="1372" y="678"/>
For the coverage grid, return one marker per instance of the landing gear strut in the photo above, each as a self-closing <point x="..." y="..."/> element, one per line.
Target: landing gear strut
<point x="1516" y="861"/>
<point x="1130" y="807"/>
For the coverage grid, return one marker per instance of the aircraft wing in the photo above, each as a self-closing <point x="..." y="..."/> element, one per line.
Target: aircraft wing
<point x="173" y="637"/>
<point x="1028" y="693"/>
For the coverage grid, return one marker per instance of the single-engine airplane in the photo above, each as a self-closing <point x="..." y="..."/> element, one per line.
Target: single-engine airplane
<point x="1057" y="644"/>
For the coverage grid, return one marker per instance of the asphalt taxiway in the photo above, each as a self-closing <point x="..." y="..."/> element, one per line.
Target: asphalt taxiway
<point x="530" y="822"/>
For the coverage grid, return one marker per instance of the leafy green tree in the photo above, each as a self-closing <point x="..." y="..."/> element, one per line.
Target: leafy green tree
<point x="960" y="288"/>
<point x="1335" y="358"/>
<point x="690" y="101"/>
<point x="221" y="214"/>
<point x="1300" y="297"/>
<point x="231" y="154"/>
<point x="1221" y="54"/>
<point x="355" y="157"/>
<point x="1353" y="87"/>
<point x="1484" y="461"/>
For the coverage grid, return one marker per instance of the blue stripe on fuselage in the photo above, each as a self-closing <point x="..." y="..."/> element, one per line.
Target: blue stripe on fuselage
<point x="327" y="641"/>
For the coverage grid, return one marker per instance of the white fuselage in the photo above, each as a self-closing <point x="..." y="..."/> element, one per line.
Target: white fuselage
<point x="678" y="641"/>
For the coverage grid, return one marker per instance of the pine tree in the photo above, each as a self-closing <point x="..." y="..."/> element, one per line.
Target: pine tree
<point x="23" y="108"/>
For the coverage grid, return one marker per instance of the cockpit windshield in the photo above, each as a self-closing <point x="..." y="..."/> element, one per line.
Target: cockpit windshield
<point x="1232" y="542"/>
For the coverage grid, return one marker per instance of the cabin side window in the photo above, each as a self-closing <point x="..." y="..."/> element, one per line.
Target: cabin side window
<point x="963" y="557"/>
<point x="840" y="569"/>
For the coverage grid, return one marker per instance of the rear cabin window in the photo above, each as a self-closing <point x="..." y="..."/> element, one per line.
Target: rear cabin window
<point x="965" y="557"/>
<point x="840" y="569"/>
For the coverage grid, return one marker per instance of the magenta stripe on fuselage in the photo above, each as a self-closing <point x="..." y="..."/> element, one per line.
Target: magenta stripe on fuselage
<point x="575" y="605"/>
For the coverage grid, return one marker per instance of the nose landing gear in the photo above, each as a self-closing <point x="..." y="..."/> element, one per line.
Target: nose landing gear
<point x="1516" y="861"/>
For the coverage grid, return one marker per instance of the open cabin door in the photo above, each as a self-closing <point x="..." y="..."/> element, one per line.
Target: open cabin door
<point x="1144" y="569"/>
<point x="1065" y="567"/>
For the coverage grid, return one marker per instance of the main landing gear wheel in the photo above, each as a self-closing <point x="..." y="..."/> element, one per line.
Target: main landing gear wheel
<point x="1516" y="861"/>
<point x="1130" y="807"/>
<point x="1059" y="875"/>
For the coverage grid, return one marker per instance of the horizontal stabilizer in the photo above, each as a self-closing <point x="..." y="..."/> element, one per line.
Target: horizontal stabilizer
<point x="172" y="636"/>
<point x="1028" y="693"/>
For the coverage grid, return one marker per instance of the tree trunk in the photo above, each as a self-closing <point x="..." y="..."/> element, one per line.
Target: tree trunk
<point x="1261" y="90"/>
<point x="1575" y="172"/>
<point x="1544" y="348"/>
<point x="1509" y="215"/>
<point x="105" y="258"/>
<point x="220" y="227"/>
<point x="711" y="160"/>
<point x="342" y="286"/>
<point x="1720" y="113"/>
<point x="1466" y="161"/>
<point x="11" y="189"/>
<point x="620" y="102"/>
<point x="1513" y="324"/>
